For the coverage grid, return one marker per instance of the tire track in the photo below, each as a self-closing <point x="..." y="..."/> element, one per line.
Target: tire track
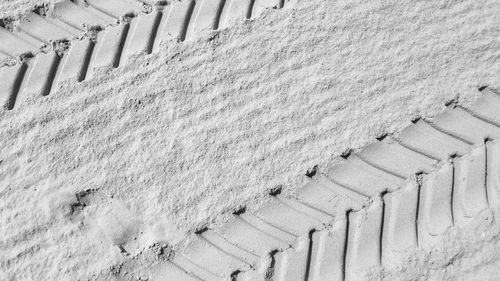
<point x="138" y="32"/>
<point x="343" y="244"/>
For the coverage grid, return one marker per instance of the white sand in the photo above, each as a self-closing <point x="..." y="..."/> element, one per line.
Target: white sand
<point x="183" y="136"/>
<point x="16" y="8"/>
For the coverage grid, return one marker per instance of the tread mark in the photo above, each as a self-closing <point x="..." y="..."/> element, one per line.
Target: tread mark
<point x="86" y="62"/>
<point x="168" y="271"/>
<point x="250" y="9"/>
<point x="363" y="252"/>
<point x="328" y="253"/>
<point x="470" y="186"/>
<point x="12" y="78"/>
<point x="77" y="61"/>
<point x="399" y="229"/>
<point x="291" y="265"/>
<point x="478" y="116"/>
<point x="269" y="229"/>
<point x="154" y="32"/>
<point x="121" y="46"/>
<point x="306" y="209"/>
<point x="42" y="74"/>
<point x="229" y="248"/>
<point x="416" y="150"/>
<point x="194" y="269"/>
<point x="346" y="190"/>
<point x="441" y="130"/>
<point x="493" y="176"/>
<point x="379" y="168"/>
<point x="222" y="3"/>
<point x="435" y="212"/>
<point x="419" y="180"/>
<point x="309" y="255"/>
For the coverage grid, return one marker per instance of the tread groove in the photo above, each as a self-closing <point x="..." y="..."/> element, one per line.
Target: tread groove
<point x="201" y="236"/>
<point x="69" y="24"/>
<point x="16" y="86"/>
<point x="52" y="75"/>
<point x="196" y="270"/>
<point x="86" y="62"/>
<point x="478" y="116"/>
<point x="379" y="167"/>
<point x="185" y="271"/>
<point x="253" y="225"/>
<point x="36" y="38"/>
<point x="413" y="149"/>
<point x="486" y="165"/>
<point x="100" y="10"/>
<point x="381" y="236"/>
<point x="187" y="21"/>
<point x="265" y="232"/>
<point x="346" y="245"/>
<point x="419" y="180"/>
<point x="222" y="3"/>
<point x="309" y="255"/>
<point x="348" y="188"/>
<point x="156" y="26"/>
<point x="287" y="204"/>
<point x="443" y="131"/>
<point x="225" y="241"/>
<point x="121" y="47"/>
<point x="453" y="179"/>
<point x="250" y="9"/>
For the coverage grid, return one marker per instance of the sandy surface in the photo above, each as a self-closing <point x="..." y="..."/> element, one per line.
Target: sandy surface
<point x="168" y="144"/>
<point x="470" y="255"/>
<point x="16" y="8"/>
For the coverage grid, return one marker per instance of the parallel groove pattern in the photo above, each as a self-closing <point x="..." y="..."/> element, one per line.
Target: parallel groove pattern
<point x="144" y="34"/>
<point x="345" y="244"/>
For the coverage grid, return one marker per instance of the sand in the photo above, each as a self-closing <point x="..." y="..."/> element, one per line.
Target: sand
<point x="175" y="141"/>
<point x="13" y="9"/>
